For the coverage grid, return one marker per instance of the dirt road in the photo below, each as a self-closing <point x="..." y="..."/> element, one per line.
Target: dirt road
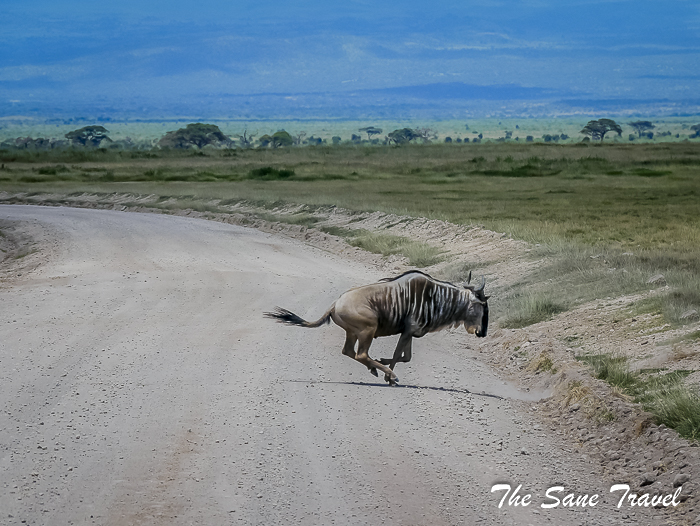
<point x="140" y="384"/>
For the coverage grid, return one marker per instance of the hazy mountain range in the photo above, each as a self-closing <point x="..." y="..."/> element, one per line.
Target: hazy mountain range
<point x="349" y="60"/>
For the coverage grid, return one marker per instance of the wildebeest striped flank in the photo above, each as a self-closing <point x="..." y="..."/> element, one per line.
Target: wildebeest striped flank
<point x="412" y="305"/>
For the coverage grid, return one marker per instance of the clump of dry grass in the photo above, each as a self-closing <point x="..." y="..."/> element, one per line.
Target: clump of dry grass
<point x="591" y="404"/>
<point x="543" y="362"/>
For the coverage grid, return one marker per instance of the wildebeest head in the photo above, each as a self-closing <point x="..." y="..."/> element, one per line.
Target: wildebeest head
<point x="479" y="307"/>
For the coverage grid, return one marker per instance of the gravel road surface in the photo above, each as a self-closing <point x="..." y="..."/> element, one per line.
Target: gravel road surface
<point x="140" y="384"/>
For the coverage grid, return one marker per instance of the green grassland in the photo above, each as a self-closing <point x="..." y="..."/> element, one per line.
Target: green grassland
<point x="606" y="216"/>
<point x="645" y="196"/>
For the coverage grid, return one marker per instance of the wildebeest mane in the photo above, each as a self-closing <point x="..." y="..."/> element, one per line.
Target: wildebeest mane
<point x="387" y="280"/>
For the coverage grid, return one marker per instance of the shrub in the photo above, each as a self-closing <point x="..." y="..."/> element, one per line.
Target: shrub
<point x="268" y="173"/>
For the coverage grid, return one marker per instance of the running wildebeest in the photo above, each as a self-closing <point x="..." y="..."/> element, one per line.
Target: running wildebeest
<point x="412" y="305"/>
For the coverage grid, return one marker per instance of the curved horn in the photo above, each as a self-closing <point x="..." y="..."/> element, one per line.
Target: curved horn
<point x="469" y="279"/>
<point x="483" y="284"/>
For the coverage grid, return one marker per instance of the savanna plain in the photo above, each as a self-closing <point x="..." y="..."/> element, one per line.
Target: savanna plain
<point x="591" y="254"/>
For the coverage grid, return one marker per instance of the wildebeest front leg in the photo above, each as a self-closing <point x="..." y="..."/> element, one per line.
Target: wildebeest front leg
<point x="362" y="356"/>
<point x="402" y="353"/>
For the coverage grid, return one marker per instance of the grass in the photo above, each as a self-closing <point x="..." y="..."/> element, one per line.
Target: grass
<point x="268" y="173"/>
<point x="542" y="363"/>
<point x="588" y="207"/>
<point x="572" y="274"/>
<point x="529" y="308"/>
<point x="672" y="304"/>
<point x="418" y="254"/>
<point x="536" y="193"/>
<point x="663" y="394"/>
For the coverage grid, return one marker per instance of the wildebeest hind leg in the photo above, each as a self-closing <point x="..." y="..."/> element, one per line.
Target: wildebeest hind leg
<point x="362" y="356"/>
<point x="349" y="347"/>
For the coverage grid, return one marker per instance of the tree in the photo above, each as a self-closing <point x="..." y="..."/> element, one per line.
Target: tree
<point x="246" y="140"/>
<point x="426" y="134"/>
<point x="299" y="138"/>
<point x="597" y="129"/>
<point x="276" y="140"/>
<point x="696" y="129"/>
<point x="197" y="134"/>
<point x="265" y="141"/>
<point x="641" y="127"/>
<point x="281" y="138"/>
<point x="88" y="136"/>
<point x="402" y="136"/>
<point x="371" y="130"/>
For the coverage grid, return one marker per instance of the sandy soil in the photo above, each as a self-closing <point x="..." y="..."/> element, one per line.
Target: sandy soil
<point x="141" y="385"/>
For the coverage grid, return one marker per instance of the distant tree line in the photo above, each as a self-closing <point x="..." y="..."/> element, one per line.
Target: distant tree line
<point x="200" y="136"/>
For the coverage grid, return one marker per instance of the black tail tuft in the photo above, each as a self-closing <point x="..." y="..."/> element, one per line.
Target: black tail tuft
<point x="284" y="316"/>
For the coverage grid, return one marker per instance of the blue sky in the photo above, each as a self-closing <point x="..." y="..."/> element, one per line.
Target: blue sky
<point x="64" y="55"/>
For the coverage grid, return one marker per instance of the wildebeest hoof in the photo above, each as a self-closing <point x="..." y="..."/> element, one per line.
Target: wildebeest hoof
<point x="373" y="370"/>
<point x="385" y="361"/>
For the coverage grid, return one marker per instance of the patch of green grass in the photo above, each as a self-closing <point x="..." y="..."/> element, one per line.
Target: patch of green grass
<point x="646" y="172"/>
<point x="576" y="274"/>
<point x="301" y="218"/>
<point x="338" y="231"/>
<point x="268" y="173"/>
<point x="459" y="272"/>
<point x="664" y="395"/>
<point x="53" y="170"/>
<point x="673" y="303"/>
<point x="418" y="254"/>
<point x="612" y="369"/>
<point x="530" y="308"/>
<point x="695" y="335"/>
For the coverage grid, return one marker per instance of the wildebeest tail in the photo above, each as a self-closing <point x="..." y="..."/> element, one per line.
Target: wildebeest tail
<point x="287" y="317"/>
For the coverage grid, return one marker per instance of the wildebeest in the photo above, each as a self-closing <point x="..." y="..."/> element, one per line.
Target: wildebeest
<point x="412" y="305"/>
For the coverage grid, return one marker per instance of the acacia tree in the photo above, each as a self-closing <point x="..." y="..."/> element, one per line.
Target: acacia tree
<point x="299" y="138"/>
<point x="402" y="136"/>
<point x="371" y="130"/>
<point x="696" y="129"/>
<point x="641" y="127"/>
<point x="265" y="141"/>
<point x="281" y="138"/>
<point x="197" y="134"/>
<point x="597" y="129"/>
<point x="88" y="136"/>
<point x="276" y="140"/>
<point x="246" y="140"/>
<point x="426" y="134"/>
